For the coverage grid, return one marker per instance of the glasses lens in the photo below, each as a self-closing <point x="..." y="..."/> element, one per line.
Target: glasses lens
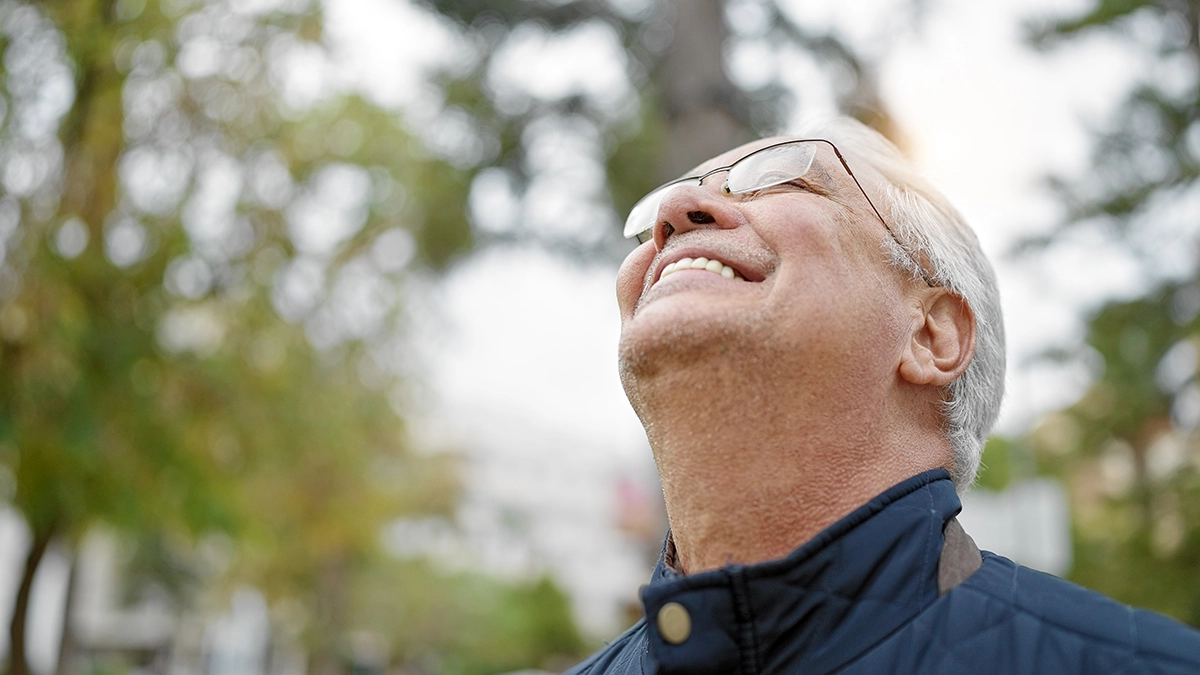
<point x="771" y="166"/>
<point x="644" y="214"/>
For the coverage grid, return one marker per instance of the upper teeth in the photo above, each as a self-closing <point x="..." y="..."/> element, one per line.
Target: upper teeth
<point x="714" y="266"/>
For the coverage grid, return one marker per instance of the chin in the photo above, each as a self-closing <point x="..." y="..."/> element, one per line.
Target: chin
<point x="636" y="358"/>
<point x="660" y="342"/>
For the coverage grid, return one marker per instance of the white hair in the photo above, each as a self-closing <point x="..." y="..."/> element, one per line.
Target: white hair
<point x="931" y="229"/>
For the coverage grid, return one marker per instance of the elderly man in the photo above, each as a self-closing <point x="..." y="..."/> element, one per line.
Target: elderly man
<point x="812" y="339"/>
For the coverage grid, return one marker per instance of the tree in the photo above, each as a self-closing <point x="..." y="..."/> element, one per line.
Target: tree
<point x="675" y="103"/>
<point x="199" y="277"/>
<point x="466" y="624"/>
<point x="1127" y="449"/>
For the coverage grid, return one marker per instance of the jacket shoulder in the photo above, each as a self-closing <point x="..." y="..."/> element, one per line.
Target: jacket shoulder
<point x="625" y="655"/>
<point x="1046" y="624"/>
<point x="1010" y="619"/>
<point x="1064" y="607"/>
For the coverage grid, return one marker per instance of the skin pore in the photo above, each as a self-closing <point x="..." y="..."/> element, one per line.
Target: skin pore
<point x="778" y="403"/>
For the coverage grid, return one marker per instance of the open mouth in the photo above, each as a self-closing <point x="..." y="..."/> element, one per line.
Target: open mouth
<point x="703" y="264"/>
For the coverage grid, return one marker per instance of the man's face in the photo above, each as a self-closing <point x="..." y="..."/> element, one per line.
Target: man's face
<point x="814" y="292"/>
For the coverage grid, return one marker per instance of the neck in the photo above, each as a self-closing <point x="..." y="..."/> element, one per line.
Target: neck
<point x="748" y="476"/>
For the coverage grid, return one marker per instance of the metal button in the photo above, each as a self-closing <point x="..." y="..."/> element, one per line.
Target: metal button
<point x="674" y="623"/>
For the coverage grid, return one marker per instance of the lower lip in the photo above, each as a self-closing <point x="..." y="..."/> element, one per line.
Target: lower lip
<point x="685" y="280"/>
<point x="693" y="277"/>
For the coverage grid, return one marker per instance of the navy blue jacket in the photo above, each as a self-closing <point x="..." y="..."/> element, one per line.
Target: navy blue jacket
<point x="862" y="597"/>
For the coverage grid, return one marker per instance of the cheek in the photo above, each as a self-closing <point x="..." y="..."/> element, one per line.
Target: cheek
<point x="631" y="278"/>
<point x="789" y="222"/>
<point x="831" y="250"/>
<point x="811" y="251"/>
<point x="835" y="286"/>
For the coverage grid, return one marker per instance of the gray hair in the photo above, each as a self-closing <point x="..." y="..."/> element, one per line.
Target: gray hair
<point x="933" y="230"/>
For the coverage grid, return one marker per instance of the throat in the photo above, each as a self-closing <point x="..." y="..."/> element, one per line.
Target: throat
<point x="747" y="479"/>
<point x="750" y="506"/>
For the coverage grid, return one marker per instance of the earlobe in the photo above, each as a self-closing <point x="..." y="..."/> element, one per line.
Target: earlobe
<point x="942" y="342"/>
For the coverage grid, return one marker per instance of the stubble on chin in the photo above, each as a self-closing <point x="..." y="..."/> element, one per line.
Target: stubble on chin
<point x="660" y="365"/>
<point x="635" y="365"/>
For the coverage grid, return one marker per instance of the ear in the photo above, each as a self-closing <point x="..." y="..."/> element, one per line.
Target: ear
<point x="942" y="342"/>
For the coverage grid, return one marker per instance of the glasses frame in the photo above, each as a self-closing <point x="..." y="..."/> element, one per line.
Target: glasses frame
<point x="699" y="180"/>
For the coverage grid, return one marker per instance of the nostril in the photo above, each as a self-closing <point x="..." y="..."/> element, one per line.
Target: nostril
<point x="701" y="217"/>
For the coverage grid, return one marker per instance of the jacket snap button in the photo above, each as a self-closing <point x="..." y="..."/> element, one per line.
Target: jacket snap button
<point x="674" y="623"/>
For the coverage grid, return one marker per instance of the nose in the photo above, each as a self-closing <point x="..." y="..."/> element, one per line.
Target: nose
<point x="691" y="207"/>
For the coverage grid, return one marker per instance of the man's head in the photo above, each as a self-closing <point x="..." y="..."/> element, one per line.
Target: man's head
<point x="863" y="289"/>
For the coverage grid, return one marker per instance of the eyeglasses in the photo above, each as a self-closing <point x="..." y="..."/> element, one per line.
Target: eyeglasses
<point x="766" y="167"/>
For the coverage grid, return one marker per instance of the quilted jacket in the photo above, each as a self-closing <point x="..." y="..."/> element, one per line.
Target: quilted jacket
<point x="863" y="597"/>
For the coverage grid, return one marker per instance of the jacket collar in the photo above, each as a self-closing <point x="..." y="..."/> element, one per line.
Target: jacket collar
<point x="822" y="605"/>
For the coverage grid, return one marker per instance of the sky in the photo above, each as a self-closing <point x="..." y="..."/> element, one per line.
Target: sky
<point x="531" y="335"/>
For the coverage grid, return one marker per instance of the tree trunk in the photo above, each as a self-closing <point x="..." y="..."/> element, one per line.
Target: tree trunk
<point x="66" y="647"/>
<point x="18" y="664"/>
<point x="331" y="589"/>
<point x="701" y="101"/>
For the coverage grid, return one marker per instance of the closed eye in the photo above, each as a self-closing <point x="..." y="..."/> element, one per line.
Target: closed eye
<point x="791" y="185"/>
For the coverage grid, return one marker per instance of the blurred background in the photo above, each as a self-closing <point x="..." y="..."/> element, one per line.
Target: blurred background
<point x="307" y="336"/>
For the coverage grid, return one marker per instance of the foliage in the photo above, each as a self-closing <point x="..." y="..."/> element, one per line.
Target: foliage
<point x="1149" y="154"/>
<point x="1001" y="463"/>
<point x="1128" y="449"/>
<point x="199" y="295"/>
<point x="672" y="105"/>
<point x="467" y="624"/>
<point x="1131" y="456"/>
